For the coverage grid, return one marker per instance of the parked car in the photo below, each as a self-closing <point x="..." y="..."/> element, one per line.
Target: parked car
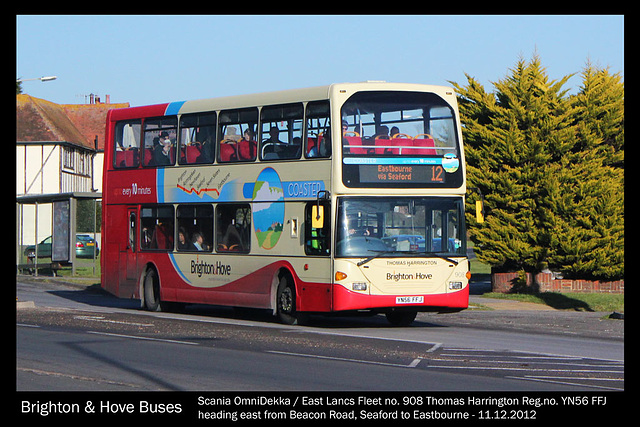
<point x="85" y="245"/>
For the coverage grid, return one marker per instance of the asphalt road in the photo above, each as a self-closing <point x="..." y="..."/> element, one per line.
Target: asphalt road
<point x="75" y="338"/>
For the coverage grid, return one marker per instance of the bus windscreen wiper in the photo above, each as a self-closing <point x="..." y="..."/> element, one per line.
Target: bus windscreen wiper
<point x="437" y="255"/>
<point x="380" y="253"/>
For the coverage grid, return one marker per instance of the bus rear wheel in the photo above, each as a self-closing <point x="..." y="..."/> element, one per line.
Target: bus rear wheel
<point x="286" y="304"/>
<point x="151" y="288"/>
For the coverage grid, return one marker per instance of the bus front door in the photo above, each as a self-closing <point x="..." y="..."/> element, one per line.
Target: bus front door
<point x="129" y="257"/>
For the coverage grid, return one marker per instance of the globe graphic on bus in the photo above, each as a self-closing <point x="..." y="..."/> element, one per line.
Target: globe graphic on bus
<point x="268" y="208"/>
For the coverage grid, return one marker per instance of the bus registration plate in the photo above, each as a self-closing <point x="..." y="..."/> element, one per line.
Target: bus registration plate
<point x="410" y="300"/>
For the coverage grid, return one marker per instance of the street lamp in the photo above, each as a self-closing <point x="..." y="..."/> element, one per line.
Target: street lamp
<point x="42" y="79"/>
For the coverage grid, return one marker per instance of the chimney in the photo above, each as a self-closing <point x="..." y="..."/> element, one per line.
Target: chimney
<point x="107" y="99"/>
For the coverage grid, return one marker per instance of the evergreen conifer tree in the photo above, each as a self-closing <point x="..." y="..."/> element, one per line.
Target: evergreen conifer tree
<point x="582" y="212"/>
<point x="537" y="155"/>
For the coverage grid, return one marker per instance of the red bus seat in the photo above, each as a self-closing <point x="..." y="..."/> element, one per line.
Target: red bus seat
<point x="193" y="152"/>
<point x="311" y="142"/>
<point x="147" y="157"/>
<point x="354" y="143"/>
<point x="127" y="159"/>
<point x="401" y="143"/>
<point x="422" y="142"/>
<point x="247" y="150"/>
<point x="228" y="152"/>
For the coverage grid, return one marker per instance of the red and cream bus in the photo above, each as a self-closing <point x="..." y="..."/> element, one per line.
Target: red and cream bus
<point x="340" y="198"/>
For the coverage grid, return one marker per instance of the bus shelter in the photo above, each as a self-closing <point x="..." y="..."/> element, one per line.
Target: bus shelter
<point x="54" y="246"/>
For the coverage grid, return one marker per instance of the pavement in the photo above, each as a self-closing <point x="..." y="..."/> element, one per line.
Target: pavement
<point x="483" y="312"/>
<point x="475" y="299"/>
<point x="504" y="304"/>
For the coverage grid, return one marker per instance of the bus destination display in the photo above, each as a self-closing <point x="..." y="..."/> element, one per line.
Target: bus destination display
<point x="423" y="174"/>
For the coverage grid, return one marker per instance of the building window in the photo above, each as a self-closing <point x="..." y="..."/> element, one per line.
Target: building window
<point x="68" y="158"/>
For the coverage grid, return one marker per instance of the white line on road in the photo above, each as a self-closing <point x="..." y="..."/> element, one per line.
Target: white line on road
<point x="142" y="338"/>
<point x="413" y="364"/>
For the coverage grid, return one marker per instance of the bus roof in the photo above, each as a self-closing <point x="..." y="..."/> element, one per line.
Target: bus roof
<point x="269" y="98"/>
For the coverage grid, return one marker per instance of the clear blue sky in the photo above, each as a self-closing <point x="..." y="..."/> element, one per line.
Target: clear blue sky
<point x="155" y="59"/>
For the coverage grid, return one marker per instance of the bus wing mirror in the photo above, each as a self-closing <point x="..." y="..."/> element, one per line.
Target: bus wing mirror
<point x="317" y="216"/>
<point x="317" y="211"/>
<point x="479" y="211"/>
<point x="479" y="206"/>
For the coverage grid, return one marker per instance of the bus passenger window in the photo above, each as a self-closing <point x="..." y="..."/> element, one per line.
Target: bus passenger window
<point x="127" y="144"/>
<point x="160" y="141"/>
<point x="233" y="228"/>
<point x="281" y="132"/>
<point x="156" y="228"/>
<point x="236" y="135"/>
<point x="197" y="138"/>
<point x="195" y="228"/>
<point x="318" y="138"/>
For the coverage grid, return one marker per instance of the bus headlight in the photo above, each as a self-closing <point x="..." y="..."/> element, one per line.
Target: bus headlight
<point x="359" y="286"/>
<point x="455" y="285"/>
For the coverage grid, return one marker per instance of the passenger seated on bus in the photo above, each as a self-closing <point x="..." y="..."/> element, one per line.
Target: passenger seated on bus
<point x="322" y="146"/>
<point x="274" y="133"/>
<point x="198" y="242"/>
<point x="382" y="133"/>
<point x="145" y="238"/>
<point x="272" y="146"/>
<point x="325" y="143"/>
<point x="162" y="151"/>
<point x="295" y="149"/>
<point x="183" y="243"/>
<point x="206" y="152"/>
<point x="162" y="238"/>
<point x="247" y="146"/>
<point x="231" y="134"/>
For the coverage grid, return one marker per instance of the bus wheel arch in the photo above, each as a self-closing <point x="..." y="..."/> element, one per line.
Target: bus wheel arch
<point x="286" y="299"/>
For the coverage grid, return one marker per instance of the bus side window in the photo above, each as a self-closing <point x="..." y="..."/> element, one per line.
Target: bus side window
<point x="156" y="228"/>
<point x="160" y="136"/>
<point x="236" y="135"/>
<point x="197" y="138"/>
<point x="318" y="130"/>
<point x="281" y="132"/>
<point x="127" y="144"/>
<point x="195" y="228"/>
<point x="233" y="228"/>
<point x="317" y="240"/>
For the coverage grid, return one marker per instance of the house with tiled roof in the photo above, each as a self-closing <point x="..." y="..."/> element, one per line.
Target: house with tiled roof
<point x="59" y="149"/>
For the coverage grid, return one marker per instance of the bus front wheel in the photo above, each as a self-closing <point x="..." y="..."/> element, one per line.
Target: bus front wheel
<point x="401" y="318"/>
<point x="286" y="302"/>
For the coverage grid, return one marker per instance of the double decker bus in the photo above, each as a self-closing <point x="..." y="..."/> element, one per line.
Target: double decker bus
<point x="341" y="198"/>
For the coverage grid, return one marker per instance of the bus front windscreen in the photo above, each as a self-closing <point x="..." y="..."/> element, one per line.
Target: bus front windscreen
<point x="400" y="140"/>
<point x="400" y="226"/>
